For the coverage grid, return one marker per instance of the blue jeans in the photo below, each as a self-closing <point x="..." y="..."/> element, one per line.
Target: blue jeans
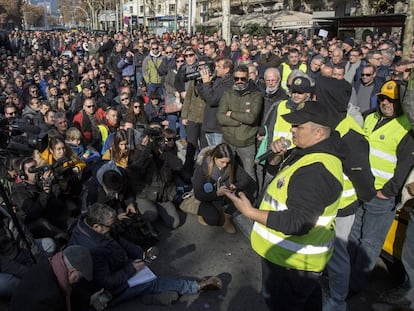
<point x="155" y="87"/>
<point x="372" y="222"/>
<point x="159" y="285"/>
<point x="214" y="139"/>
<point x="408" y="258"/>
<point x="138" y="77"/>
<point x="339" y="266"/>
<point x="172" y="124"/>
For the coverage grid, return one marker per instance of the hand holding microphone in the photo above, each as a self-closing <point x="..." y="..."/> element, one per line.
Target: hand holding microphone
<point x="277" y="147"/>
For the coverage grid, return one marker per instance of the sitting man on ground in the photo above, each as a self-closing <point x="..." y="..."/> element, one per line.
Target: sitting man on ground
<point x="116" y="260"/>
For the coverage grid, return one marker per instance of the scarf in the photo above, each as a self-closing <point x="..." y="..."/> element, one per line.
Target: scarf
<point x="61" y="272"/>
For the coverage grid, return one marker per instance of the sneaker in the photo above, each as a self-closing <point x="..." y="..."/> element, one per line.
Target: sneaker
<point x="161" y="299"/>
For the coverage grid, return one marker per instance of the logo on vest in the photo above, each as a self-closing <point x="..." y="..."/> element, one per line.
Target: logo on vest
<point x="382" y="137"/>
<point x="280" y="182"/>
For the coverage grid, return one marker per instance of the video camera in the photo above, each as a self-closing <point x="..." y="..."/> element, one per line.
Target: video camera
<point x="209" y="66"/>
<point x="20" y="137"/>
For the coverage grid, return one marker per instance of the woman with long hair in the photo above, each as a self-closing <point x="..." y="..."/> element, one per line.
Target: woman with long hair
<point x="119" y="152"/>
<point x="216" y="171"/>
<point x="136" y="112"/>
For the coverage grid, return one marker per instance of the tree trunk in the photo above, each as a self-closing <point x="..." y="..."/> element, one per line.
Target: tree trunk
<point x="408" y="31"/>
<point x="226" y="21"/>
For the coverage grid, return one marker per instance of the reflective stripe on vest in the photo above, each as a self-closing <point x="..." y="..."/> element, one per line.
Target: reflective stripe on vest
<point x="311" y="251"/>
<point x="383" y="144"/>
<point x="286" y="72"/>
<point x="281" y="127"/>
<point x="348" y="194"/>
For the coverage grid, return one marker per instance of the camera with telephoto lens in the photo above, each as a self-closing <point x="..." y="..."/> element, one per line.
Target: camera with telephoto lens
<point x="195" y="75"/>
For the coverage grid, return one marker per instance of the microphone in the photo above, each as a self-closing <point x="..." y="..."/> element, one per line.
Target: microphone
<point x="269" y="153"/>
<point x="208" y="187"/>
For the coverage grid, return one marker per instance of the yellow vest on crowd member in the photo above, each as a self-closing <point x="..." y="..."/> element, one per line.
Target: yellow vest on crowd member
<point x="104" y="132"/>
<point x="308" y="252"/>
<point x="282" y="127"/>
<point x="383" y="144"/>
<point x="286" y="72"/>
<point x="348" y="194"/>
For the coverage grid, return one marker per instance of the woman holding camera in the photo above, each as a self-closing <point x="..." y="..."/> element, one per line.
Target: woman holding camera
<point x="216" y="170"/>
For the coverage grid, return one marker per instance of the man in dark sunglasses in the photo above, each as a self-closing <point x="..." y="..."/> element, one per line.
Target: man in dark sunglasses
<point x="239" y="115"/>
<point x="367" y="87"/>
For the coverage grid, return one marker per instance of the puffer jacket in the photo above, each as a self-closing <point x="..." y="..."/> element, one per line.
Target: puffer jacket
<point x="240" y="128"/>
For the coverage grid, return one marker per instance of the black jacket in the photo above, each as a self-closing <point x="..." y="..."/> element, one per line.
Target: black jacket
<point x="112" y="258"/>
<point x="39" y="291"/>
<point x="310" y="190"/>
<point x="211" y="93"/>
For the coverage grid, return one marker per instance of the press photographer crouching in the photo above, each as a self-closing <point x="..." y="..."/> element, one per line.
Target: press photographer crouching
<point x="160" y="171"/>
<point x="37" y="197"/>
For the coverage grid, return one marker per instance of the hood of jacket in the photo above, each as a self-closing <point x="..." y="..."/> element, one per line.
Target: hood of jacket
<point x="110" y="165"/>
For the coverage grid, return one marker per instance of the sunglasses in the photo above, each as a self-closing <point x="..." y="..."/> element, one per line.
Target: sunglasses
<point x="154" y="49"/>
<point x="90" y="106"/>
<point x="383" y="97"/>
<point x="179" y="61"/>
<point x="188" y="55"/>
<point x="137" y="106"/>
<point x="102" y="87"/>
<point x="10" y="113"/>
<point x="169" y="138"/>
<point x="240" y="79"/>
<point x="366" y="74"/>
<point x="168" y="52"/>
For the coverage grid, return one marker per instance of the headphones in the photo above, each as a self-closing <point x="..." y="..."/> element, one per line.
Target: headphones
<point x="22" y="174"/>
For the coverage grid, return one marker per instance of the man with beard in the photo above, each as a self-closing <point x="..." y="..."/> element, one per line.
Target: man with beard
<point x="239" y="115"/>
<point x="211" y="91"/>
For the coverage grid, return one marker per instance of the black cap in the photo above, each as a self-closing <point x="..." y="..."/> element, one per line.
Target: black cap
<point x="87" y="84"/>
<point x="301" y="85"/>
<point x="310" y="111"/>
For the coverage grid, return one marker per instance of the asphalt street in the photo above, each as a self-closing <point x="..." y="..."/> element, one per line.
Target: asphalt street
<point x="196" y="251"/>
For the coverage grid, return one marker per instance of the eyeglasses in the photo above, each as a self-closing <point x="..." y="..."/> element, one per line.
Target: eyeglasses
<point x="240" y="79"/>
<point x="179" y="61"/>
<point x="106" y="226"/>
<point x="188" y="55"/>
<point x="377" y="58"/>
<point x="124" y="99"/>
<point x="366" y="74"/>
<point x="355" y="55"/>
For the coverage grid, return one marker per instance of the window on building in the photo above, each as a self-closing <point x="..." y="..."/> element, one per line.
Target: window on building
<point x="131" y="10"/>
<point x="171" y="8"/>
<point x="141" y="9"/>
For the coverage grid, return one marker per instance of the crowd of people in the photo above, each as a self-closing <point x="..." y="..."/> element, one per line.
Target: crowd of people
<point x="105" y="135"/>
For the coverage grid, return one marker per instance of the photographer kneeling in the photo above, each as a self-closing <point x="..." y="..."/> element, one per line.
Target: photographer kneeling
<point x="38" y="198"/>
